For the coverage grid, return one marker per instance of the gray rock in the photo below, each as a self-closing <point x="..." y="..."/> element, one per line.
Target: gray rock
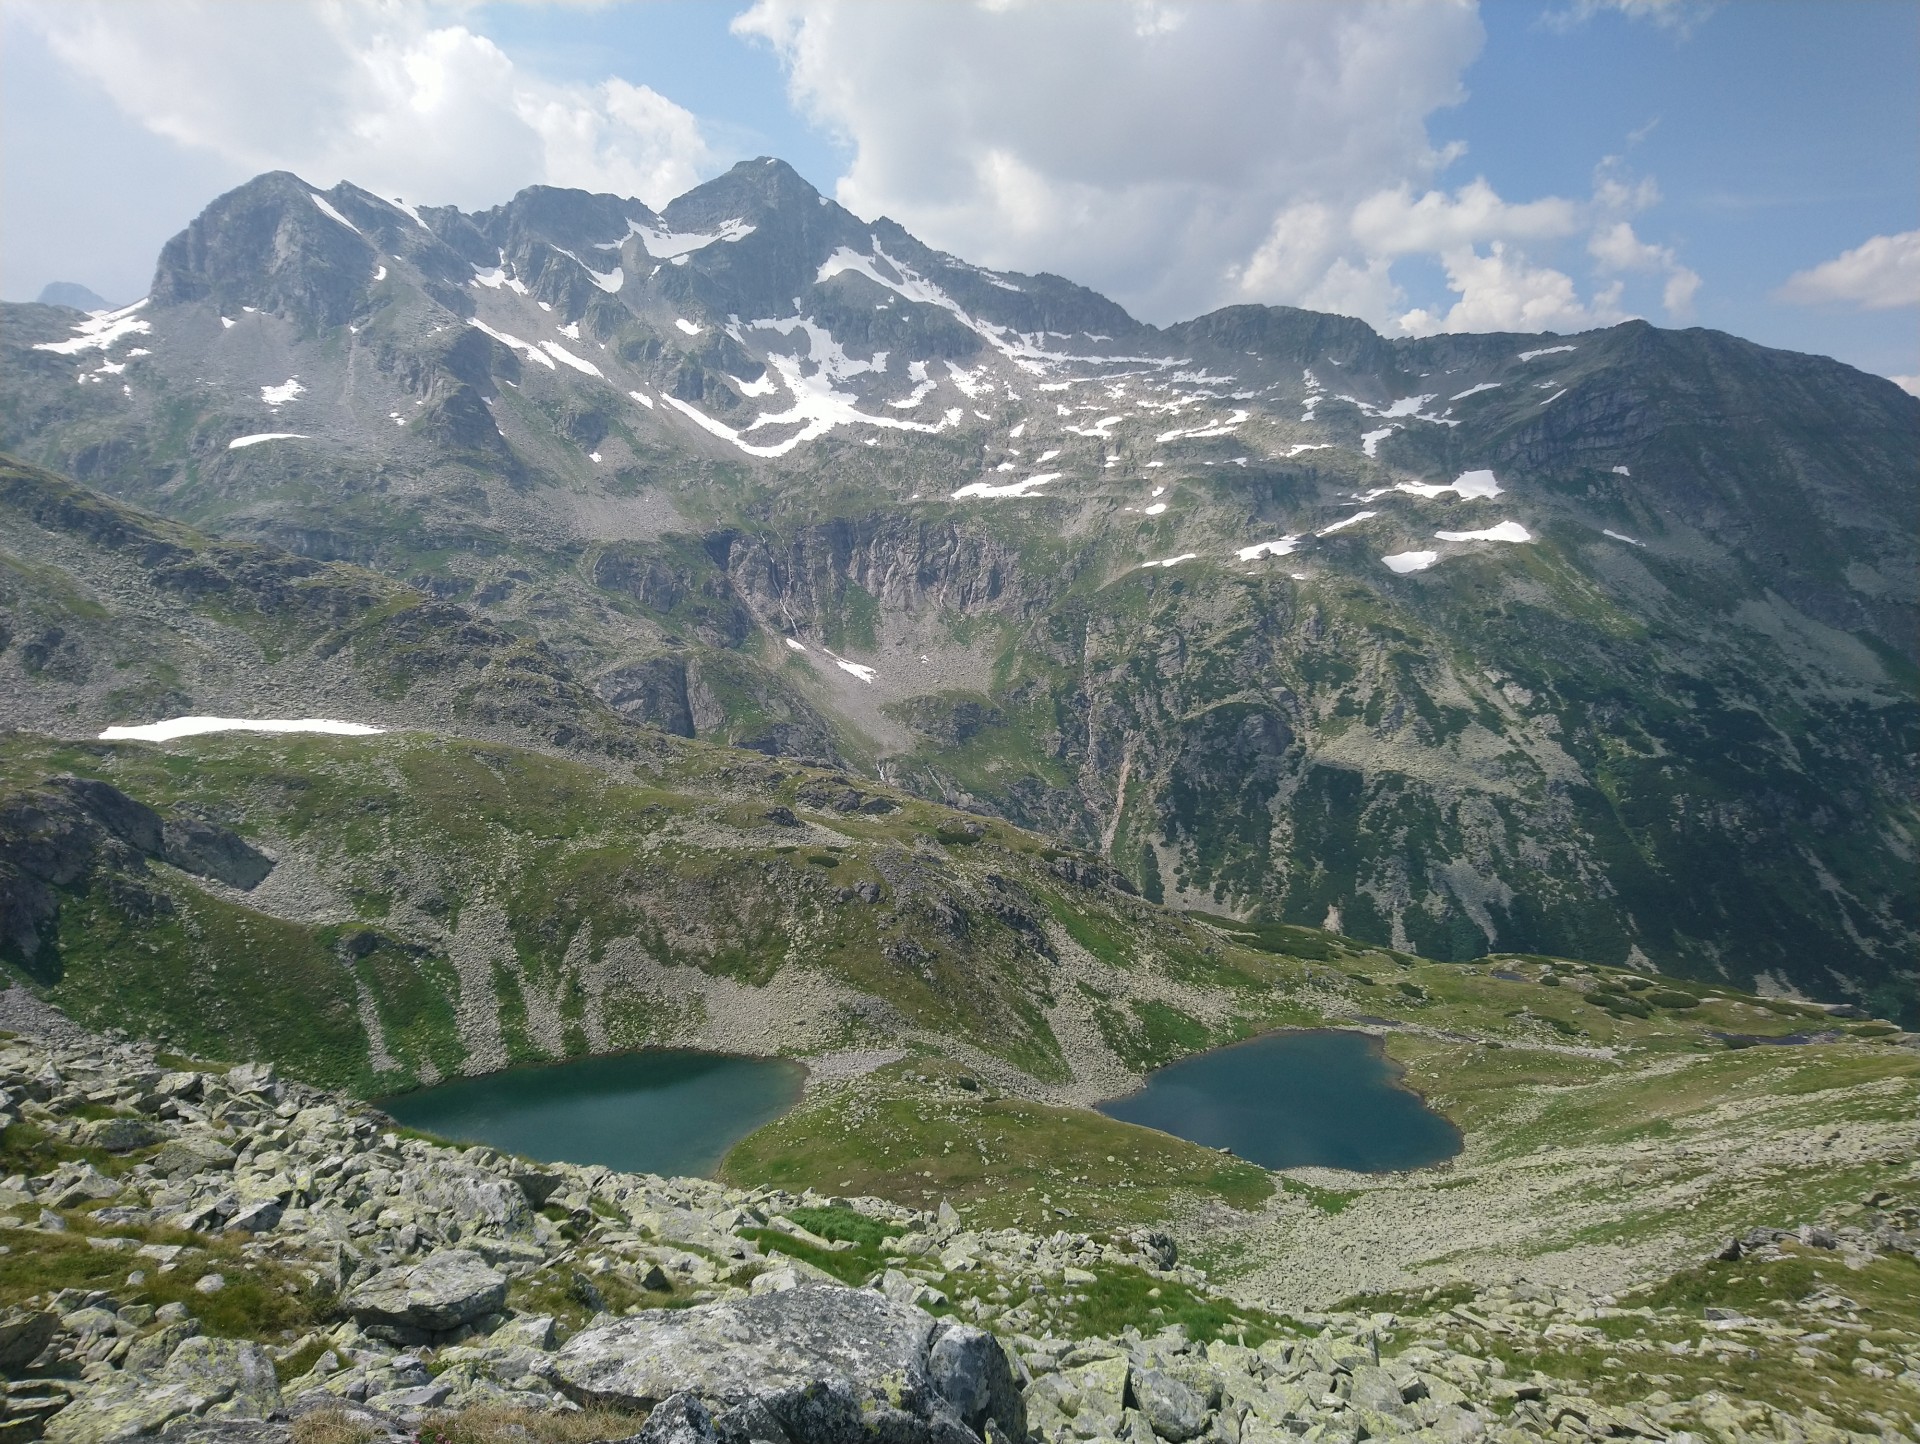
<point x="23" y="1334"/>
<point x="679" y="1419"/>
<point x="1375" y="1389"/>
<point x="1175" y="1411"/>
<point x="261" y="1217"/>
<point x="413" y="1399"/>
<point x="226" y="1431"/>
<point x="226" y="1369"/>
<point x="186" y="1156"/>
<point x="472" y="1195"/>
<point x="438" y="1294"/>
<point x="749" y="1423"/>
<point x="119" y="1135"/>
<point x="207" y="850"/>
<point x="968" y="1367"/>
<point x="830" y="1366"/>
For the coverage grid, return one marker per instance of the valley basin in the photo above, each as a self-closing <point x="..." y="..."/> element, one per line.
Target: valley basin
<point x="668" y="1111"/>
<point x="1323" y="1098"/>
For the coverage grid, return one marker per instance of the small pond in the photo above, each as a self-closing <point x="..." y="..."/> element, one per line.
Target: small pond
<point x="1290" y="1100"/>
<point x="667" y="1111"/>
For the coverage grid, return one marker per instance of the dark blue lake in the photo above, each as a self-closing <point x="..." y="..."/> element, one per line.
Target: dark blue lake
<point x="1290" y="1100"/>
<point x="670" y="1111"/>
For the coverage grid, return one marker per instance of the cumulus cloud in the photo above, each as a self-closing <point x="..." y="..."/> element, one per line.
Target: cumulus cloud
<point x="1908" y="384"/>
<point x="400" y="98"/>
<point x="1180" y="158"/>
<point x="1616" y="248"/>
<point x="1877" y="275"/>
<point x="1143" y="149"/>
<point x="1503" y="291"/>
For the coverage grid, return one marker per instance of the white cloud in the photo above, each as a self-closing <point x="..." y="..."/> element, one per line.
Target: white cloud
<point x="1393" y="223"/>
<point x="1146" y="152"/>
<point x="1877" y="275"/>
<point x="397" y="98"/>
<point x="1503" y="291"/>
<point x="1908" y="384"/>
<point x="1616" y="248"/>
<point x="1183" y="158"/>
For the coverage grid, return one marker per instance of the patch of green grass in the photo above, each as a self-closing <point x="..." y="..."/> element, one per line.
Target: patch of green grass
<point x="1002" y="1161"/>
<point x="1126" y="1297"/>
<point x="261" y="1297"/>
<point x="573" y="1298"/>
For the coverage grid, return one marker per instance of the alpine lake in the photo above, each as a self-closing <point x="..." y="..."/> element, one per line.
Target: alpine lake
<point x="1325" y="1098"/>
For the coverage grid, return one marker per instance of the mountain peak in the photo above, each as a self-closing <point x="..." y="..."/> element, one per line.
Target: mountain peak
<point x="71" y="294"/>
<point x="276" y="243"/>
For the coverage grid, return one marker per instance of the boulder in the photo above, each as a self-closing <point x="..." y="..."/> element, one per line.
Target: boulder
<point x="118" y="1135"/>
<point x="829" y="1366"/>
<point x="23" y="1334"/>
<point x="472" y="1195"/>
<point x="234" y="1371"/>
<point x="1175" y="1411"/>
<point x="435" y="1296"/>
<point x="228" y="1375"/>
<point x="186" y="1156"/>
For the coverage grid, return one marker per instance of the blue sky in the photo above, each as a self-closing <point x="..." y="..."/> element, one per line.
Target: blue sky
<point x="1515" y="165"/>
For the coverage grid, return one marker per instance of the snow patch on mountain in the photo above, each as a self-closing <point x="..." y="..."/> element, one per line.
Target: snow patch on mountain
<point x="100" y="331"/>
<point x="240" y="442"/>
<point x="278" y="396"/>
<point x="494" y="277"/>
<point x="326" y="206"/>
<point x="1283" y="547"/>
<point x="608" y="281"/>
<point x="665" y="245"/>
<point x="514" y="343"/>
<point x="579" y="363"/>
<point x="1404" y="562"/>
<point x="198" y="726"/>
<point x="1012" y="488"/>
<point x="1546" y="351"/>
<point x="1347" y="521"/>
<point x="1506" y="531"/>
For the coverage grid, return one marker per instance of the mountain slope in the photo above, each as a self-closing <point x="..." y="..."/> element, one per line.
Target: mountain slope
<point x="1599" y="645"/>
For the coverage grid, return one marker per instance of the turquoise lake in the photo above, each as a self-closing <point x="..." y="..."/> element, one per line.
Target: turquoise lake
<point x="1290" y="1100"/>
<point x="673" y="1112"/>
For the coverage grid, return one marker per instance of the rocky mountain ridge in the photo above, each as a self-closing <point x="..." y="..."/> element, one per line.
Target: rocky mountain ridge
<point x="1595" y="645"/>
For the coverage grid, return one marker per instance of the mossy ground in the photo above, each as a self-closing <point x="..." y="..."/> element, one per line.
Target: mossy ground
<point x="1006" y="1162"/>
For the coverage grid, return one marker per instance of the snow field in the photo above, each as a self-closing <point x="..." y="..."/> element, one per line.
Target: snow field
<point x="174" y="727"/>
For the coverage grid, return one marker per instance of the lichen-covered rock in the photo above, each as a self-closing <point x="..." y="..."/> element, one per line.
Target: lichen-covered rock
<point x="435" y="1296"/>
<point x="830" y="1366"/>
<point x="470" y="1195"/>
<point x="1174" y="1410"/>
<point x="119" y="1135"/>
<point x="233" y="1372"/>
<point x="184" y="1157"/>
<point x="230" y="1376"/>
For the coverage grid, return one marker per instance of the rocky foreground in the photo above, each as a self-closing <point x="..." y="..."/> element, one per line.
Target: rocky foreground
<point x="192" y="1252"/>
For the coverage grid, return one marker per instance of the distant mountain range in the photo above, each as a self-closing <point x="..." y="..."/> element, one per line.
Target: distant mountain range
<point x="1600" y="645"/>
